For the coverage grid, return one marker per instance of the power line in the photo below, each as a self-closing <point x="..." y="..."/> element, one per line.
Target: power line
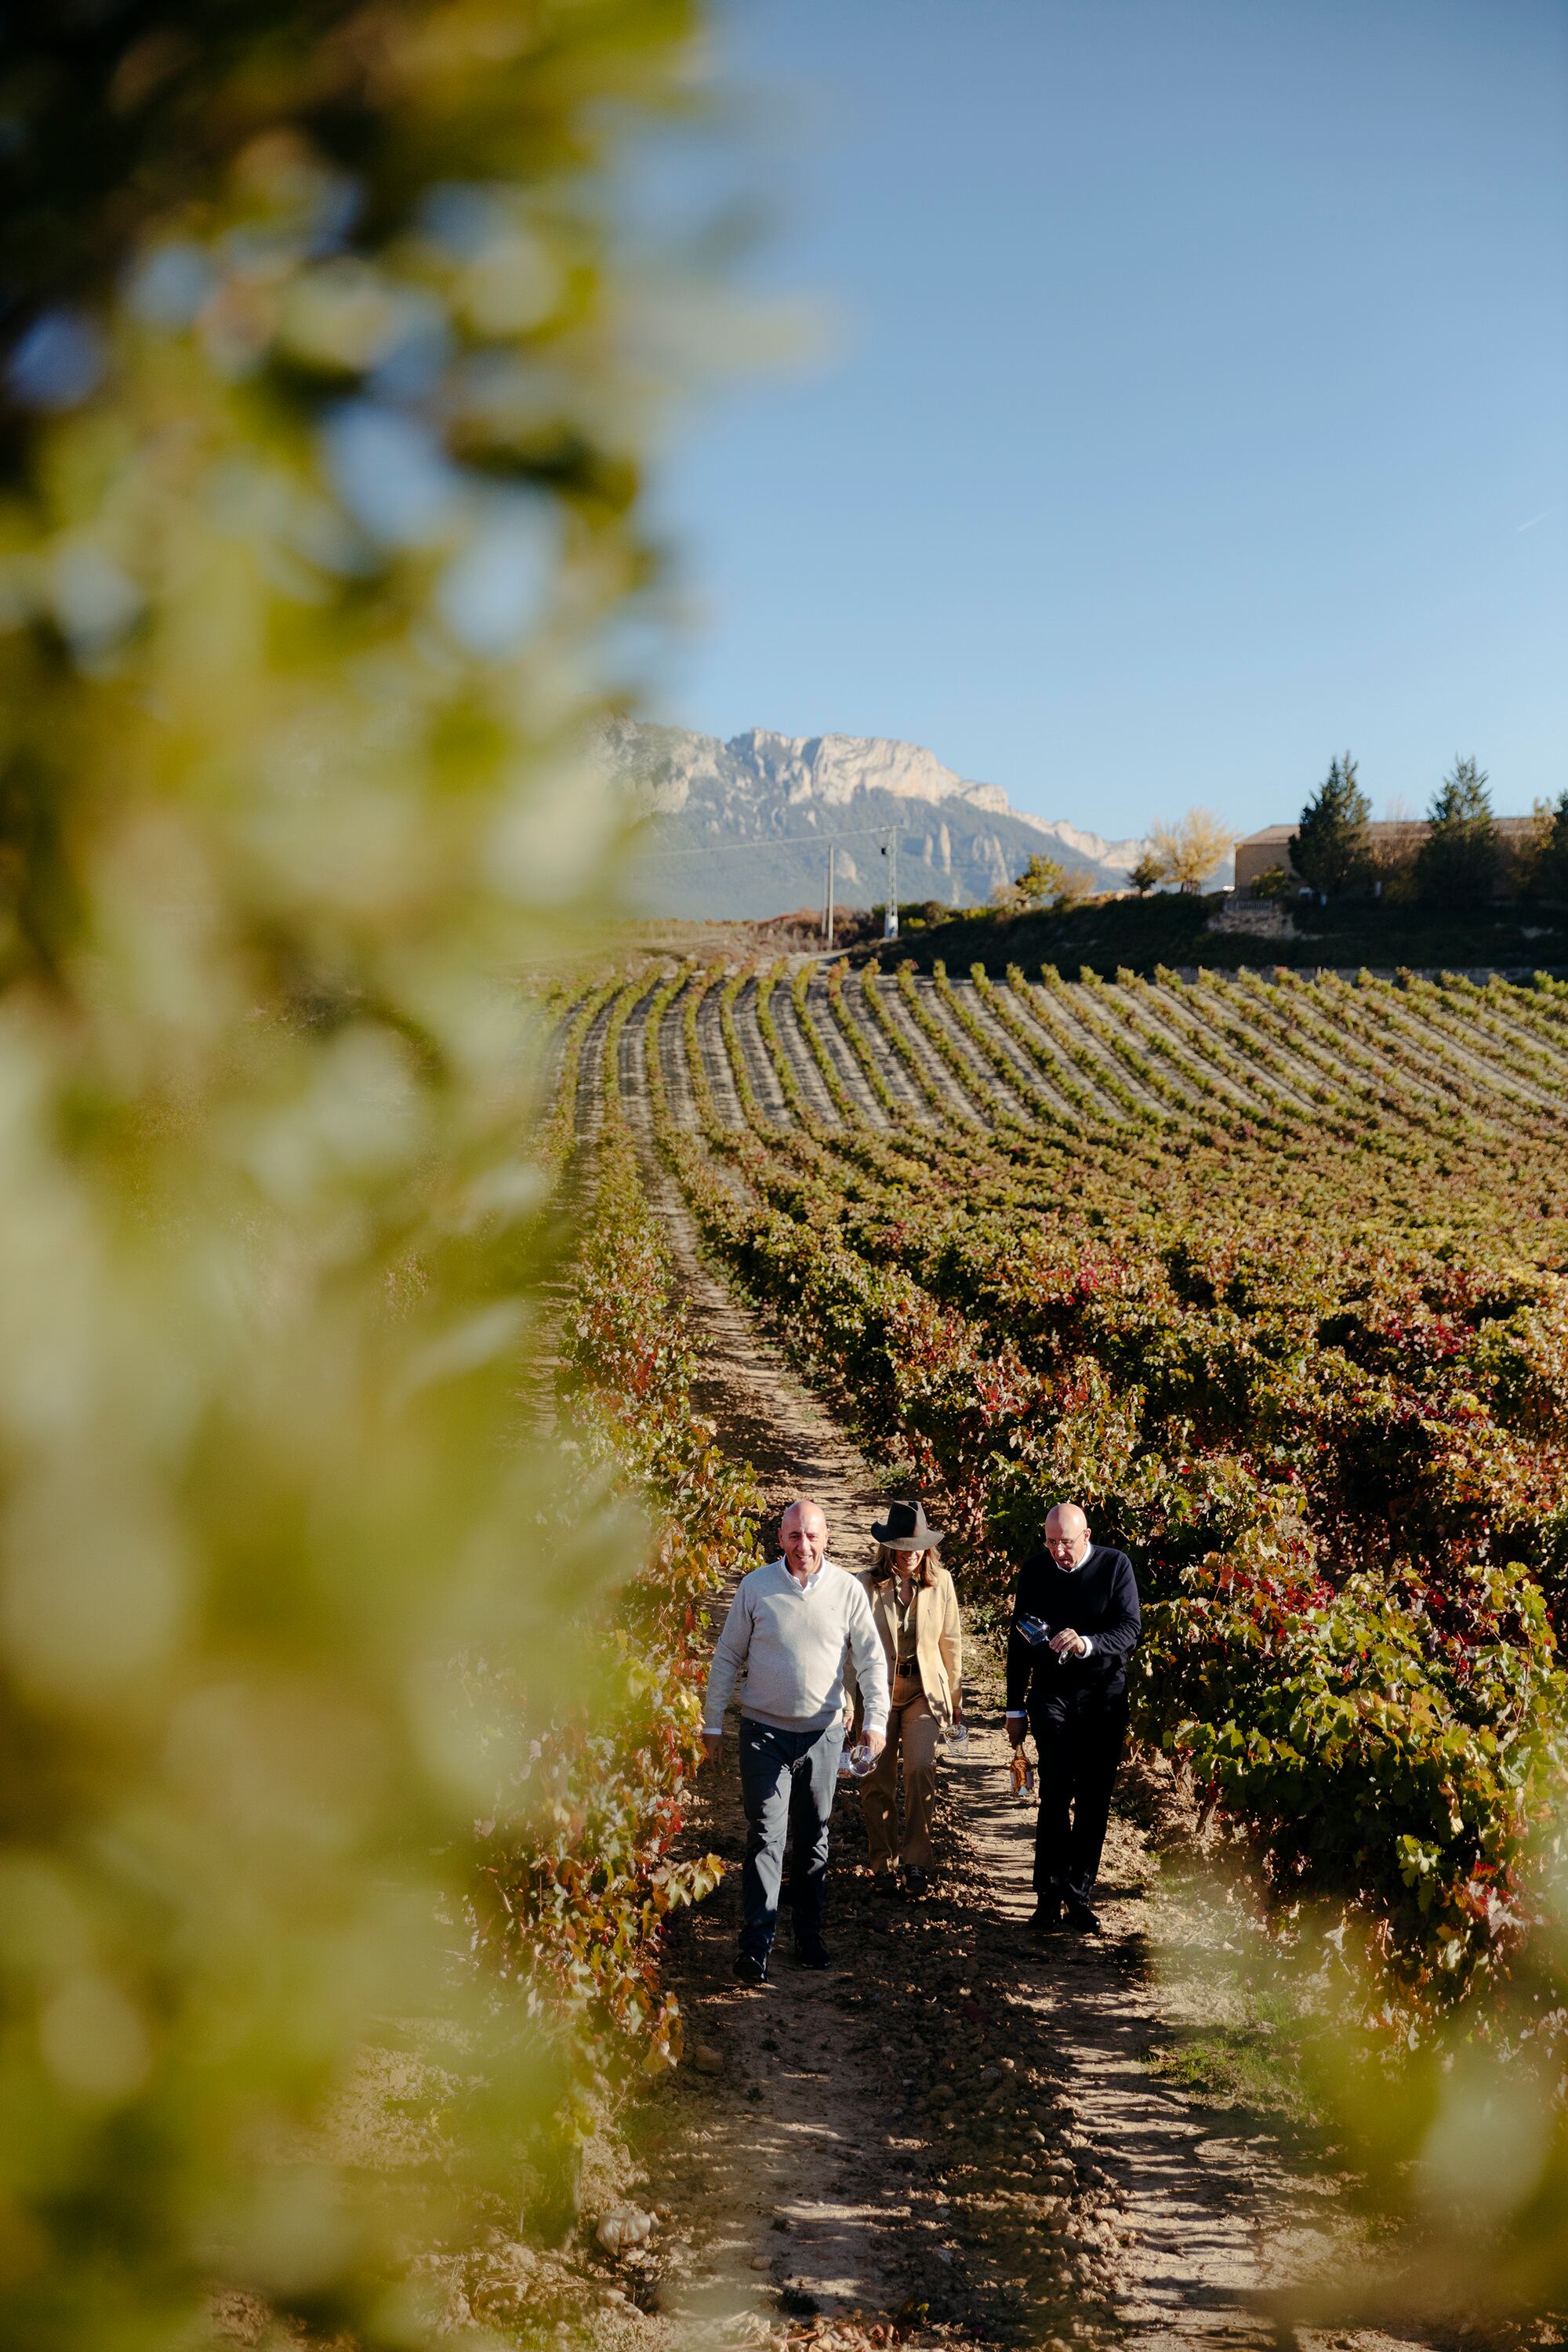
<point x="785" y="841"/>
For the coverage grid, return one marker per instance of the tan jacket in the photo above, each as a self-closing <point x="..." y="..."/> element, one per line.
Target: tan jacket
<point x="939" y="1635"/>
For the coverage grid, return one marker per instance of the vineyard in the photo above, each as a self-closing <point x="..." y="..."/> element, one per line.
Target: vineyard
<point x="1268" y="1271"/>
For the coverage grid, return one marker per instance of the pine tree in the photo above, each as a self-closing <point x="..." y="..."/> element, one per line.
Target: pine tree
<point x="1458" y="862"/>
<point x="1328" y="849"/>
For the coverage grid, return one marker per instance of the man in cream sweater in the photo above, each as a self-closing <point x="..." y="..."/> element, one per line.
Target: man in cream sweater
<point x="787" y="1630"/>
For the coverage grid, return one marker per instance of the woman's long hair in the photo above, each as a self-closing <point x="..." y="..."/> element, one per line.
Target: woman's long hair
<point x="886" y="1564"/>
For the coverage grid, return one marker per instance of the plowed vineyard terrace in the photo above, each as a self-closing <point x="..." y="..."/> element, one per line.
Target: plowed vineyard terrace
<point x="1266" y="1270"/>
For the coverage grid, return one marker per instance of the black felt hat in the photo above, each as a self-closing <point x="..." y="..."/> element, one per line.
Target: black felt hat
<point x="905" y="1529"/>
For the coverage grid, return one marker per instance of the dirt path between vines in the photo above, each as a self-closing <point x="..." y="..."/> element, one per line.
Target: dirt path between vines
<point x="955" y="2132"/>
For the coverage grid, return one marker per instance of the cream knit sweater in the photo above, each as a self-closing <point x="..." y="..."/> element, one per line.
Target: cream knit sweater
<point x="790" y="1642"/>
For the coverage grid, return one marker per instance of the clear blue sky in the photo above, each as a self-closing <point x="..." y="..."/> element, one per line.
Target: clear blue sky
<point x="1194" y="405"/>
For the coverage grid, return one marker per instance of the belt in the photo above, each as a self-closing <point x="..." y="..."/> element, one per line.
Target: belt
<point x="908" y="1666"/>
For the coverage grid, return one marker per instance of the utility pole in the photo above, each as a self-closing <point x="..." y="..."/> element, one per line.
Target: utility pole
<point x="890" y="852"/>
<point x="832" y="851"/>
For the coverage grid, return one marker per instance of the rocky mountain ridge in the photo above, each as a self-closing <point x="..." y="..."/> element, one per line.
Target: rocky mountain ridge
<point x="741" y="828"/>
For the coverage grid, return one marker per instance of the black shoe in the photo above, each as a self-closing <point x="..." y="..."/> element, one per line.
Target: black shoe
<point x="915" y="1880"/>
<point x="1047" y="1915"/>
<point x="811" y="1952"/>
<point x="1081" y="1917"/>
<point x="749" y="1969"/>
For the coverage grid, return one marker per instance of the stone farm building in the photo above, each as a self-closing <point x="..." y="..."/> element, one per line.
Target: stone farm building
<point x="1392" y="841"/>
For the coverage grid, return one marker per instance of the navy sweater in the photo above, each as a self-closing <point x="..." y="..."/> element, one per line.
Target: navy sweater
<point x="1100" y="1598"/>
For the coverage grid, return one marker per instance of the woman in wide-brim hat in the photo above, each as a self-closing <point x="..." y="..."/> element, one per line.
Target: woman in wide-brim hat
<point x="915" y="1606"/>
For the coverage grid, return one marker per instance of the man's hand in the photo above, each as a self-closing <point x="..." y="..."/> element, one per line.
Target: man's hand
<point x="1017" y="1730"/>
<point x="875" y="1740"/>
<point x="1069" y="1644"/>
<point x="712" y="1746"/>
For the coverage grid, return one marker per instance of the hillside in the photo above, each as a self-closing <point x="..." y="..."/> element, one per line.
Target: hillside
<point x="738" y="830"/>
<point x="1142" y="934"/>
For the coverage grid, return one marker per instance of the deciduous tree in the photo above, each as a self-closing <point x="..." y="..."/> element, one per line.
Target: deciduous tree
<point x="1546" y="875"/>
<point x="1041" y="879"/>
<point x="1037" y="886"/>
<point x="1189" y="851"/>
<point x="1077" y="886"/>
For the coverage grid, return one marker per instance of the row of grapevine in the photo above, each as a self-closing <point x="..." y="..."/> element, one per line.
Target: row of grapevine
<point x="1242" y="1050"/>
<point x="581" y="1875"/>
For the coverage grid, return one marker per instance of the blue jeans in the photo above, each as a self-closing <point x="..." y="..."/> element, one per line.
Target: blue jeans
<point x="788" y="1779"/>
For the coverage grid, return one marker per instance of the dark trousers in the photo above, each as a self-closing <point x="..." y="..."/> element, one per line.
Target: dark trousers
<point x="789" y="1781"/>
<point x="1079" y="1746"/>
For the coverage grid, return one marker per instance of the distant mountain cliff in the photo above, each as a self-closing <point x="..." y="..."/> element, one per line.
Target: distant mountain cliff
<point x="725" y="821"/>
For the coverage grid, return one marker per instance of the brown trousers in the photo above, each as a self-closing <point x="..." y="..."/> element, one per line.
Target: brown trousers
<point x="913" y="1733"/>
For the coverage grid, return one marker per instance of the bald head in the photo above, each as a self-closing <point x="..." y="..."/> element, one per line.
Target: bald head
<point x="1066" y="1535"/>
<point x="803" y="1532"/>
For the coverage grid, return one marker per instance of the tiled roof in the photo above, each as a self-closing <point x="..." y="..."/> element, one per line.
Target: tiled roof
<point x="1381" y="825"/>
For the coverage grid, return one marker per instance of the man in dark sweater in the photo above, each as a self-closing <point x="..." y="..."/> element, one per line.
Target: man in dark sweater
<point x="1075" y="1625"/>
